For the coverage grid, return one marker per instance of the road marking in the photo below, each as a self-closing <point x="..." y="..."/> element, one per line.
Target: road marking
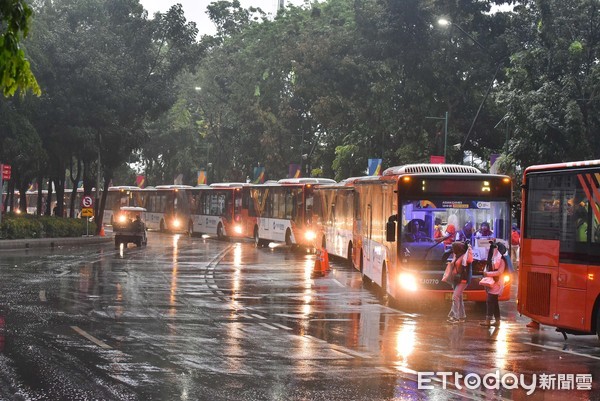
<point x="64" y="273"/>
<point x="350" y="352"/>
<point x="291" y="316"/>
<point x="93" y="339"/>
<point x="258" y="316"/>
<point x="564" y="351"/>
<point x="338" y="283"/>
<point x="268" y="326"/>
<point x="281" y="326"/>
<point x="43" y="296"/>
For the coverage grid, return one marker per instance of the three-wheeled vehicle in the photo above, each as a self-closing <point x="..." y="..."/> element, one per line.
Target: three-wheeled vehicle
<point x="129" y="226"/>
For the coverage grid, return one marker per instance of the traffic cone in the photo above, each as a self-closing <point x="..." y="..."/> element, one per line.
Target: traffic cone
<point x="318" y="262"/>
<point x="324" y="259"/>
<point x="102" y="231"/>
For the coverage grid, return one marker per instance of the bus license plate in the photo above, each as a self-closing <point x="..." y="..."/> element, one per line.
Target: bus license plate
<point x="448" y="296"/>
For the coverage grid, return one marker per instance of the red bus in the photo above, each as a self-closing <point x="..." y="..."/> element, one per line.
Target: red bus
<point x="396" y="215"/>
<point x="220" y="209"/>
<point x="559" y="271"/>
<point x="334" y="217"/>
<point x="283" y="211"/>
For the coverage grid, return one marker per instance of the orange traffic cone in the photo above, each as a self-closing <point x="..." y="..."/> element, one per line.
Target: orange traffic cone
<point x="324" y="259"/>
<point x="102" y="231"/>
<point x="318" y="264"/>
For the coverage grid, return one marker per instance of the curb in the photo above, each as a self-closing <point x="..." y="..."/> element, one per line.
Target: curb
<point x="30" y="243"/>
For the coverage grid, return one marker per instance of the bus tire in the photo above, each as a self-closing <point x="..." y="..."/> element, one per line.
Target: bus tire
<point x="257" y="240"/>
<point x="349" y="255"/>
<point x="384" y="280"/>
<point x="366" y="280"/>
<point x="288" y="237"/>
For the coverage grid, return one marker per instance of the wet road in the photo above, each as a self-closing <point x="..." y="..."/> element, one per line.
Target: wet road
<point x="193" y="319"/>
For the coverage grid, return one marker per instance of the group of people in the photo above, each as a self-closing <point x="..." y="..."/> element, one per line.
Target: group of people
<point x="466" y="234"/>
<point x="461" y="266"/>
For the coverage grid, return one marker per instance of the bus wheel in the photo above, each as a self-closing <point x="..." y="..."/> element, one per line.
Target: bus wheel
<point x="257" y="241"/>
<point x="349" y="255"/>
<point x="220" y="234"/>
<point x="288" y="237"/>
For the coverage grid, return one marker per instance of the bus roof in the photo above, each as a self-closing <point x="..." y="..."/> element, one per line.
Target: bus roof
<point x="424" y="168"/>
<point x="314" y="181"/>
<point x="229" y="185"/>
<point x="124" y="188"/>
<point x="562" y="166"/>
<point x="173" y="187"/>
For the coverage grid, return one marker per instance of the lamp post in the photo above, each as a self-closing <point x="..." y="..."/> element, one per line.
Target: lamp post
<point x="445" y="22"/>
<point x="445" y="118"/>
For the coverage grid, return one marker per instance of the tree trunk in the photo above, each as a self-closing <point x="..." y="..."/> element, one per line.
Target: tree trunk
<point x="75" y="182"/>
<point x="49" y="210"/>
<point x="40" y="201"/>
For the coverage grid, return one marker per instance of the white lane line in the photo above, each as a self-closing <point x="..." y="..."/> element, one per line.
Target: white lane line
<point x="348" y="351"/>
<point x="281" y="326"/>
<point x="258" y="316"/>
<point x="93" y="339"/>
<point x="43" y="296"/>
<point x="563" y="351"/>
<point x="64" y="273"/>
<point x="338" y="283"/>
<point x="291" y="316"/>
<point x="268" y="326"/>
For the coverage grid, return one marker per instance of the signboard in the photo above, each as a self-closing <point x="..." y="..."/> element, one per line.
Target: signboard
<point x="87" y="202"/>
<point x="87" y="212"/>
<point x="6" y="169"/>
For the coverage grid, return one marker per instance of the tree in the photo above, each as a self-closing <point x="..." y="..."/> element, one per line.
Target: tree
<point x="15" y="70"/>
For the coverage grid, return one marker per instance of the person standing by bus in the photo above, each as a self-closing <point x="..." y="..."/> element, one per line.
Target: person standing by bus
<point x="461" y="264"/>
<point x="515" y="243"/>
<point x="496" y="267"/>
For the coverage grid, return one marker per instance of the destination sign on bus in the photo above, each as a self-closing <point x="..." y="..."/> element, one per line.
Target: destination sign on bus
<point x="451" y="204"/>
<point x="486" y="187"/>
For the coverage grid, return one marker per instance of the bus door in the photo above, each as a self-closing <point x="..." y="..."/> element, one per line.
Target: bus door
<point x="572" y="276"/>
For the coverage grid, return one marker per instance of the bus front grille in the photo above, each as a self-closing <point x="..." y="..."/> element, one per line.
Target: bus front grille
<point x="538" y="293"/>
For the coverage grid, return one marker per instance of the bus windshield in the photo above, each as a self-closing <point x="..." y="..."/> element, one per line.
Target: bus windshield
<point x="428" y="227"/>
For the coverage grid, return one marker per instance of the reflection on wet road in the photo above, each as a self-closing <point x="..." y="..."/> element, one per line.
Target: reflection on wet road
<point x="193" y="319"/>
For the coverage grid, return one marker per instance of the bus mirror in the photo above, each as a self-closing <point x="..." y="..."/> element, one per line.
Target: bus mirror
<point x="390" y="231"/>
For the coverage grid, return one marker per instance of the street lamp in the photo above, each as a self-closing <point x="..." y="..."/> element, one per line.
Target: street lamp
<point x="445" y="22"/>
<point x="445" y="118"/>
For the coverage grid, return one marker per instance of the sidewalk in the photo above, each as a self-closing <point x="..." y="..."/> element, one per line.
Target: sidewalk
<point x="30" y="243"/>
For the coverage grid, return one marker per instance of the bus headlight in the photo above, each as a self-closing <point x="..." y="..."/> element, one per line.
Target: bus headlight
<point x="310" y="235"/>
<point x="506" y="278"/>
<point x="407" y="281"/>
<point x="122" y="218"/>
<point x="237" y="229"/>
<point x="176" y="223"/>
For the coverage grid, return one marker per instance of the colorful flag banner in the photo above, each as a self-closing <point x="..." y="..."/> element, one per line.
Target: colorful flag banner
<point x="259" y="175"/>
<point x="493" y="165"/>
<point x="201" y="177"/>
<point x="295" y="171"/>
<point x="375" y="166"/>
<point x="140" y="181"/>
<point x="178" y="179"/>
<point x="437" y="159"/>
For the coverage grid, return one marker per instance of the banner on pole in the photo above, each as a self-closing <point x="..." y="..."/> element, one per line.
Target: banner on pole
<point x="178" y="180"/>
<point x="140" y="181"/>
<point x="201" y="177"/>
<point x="294" y="171"/>
<point x="437" y="159"/>
<point x="259" y="175"/>
<point x="375" y="166"/>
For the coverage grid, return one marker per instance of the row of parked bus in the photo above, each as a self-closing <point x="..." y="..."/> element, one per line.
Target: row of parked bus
<point x="388" y="228"/>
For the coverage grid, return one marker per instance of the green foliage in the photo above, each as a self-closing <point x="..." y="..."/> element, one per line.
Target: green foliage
<point x="15" y="70"/>
<point x="28" y="226"/>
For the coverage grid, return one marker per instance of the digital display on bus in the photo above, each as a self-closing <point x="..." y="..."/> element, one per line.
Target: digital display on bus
<point x="479" y="187"/>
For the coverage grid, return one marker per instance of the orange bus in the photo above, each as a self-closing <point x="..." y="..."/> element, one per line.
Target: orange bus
<point x="283" y="211"/>
<point x="559" y="270"/>
<point x="220" y="209"/>
<point x="398" y="213"/>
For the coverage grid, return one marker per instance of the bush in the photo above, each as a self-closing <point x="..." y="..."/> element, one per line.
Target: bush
<point x="28" y="226"/>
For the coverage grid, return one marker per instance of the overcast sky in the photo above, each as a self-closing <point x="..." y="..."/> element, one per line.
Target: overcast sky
<point x="195" y="10"/>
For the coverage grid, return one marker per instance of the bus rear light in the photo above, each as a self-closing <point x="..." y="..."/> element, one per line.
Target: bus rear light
<point x="310" y="235"/>
<point x="407" y="281"/>
<point x="591" y="276"/>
